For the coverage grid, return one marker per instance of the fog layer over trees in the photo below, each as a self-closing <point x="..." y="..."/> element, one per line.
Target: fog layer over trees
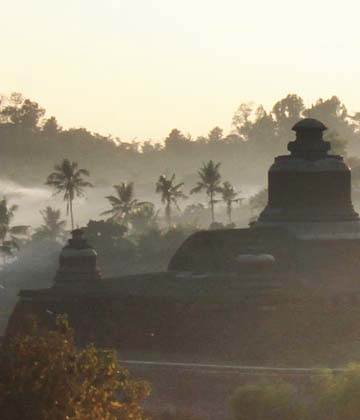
<point x="147" y="196"/>
<point x="32" y="143"/>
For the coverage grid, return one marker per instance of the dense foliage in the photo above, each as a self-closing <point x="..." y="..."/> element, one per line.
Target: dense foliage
<point x="44" y="376"/>
<point x="266" y="401"/>
<point x="327" y="395"/>
<point x="9" y="234"/>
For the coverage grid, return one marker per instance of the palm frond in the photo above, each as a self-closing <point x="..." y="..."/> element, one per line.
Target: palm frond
<point x="111" y="211"/>
<point x="114" y="201"/>
<point x="199" y="187"/>
<point x="82" y="172"/>
<point x="22" y="230"/>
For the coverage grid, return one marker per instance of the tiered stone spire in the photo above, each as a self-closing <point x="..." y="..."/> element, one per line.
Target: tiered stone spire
<point x="77" y="262"/>
<point x="309" y="185"/>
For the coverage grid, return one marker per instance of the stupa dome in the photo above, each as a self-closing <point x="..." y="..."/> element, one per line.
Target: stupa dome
<point x="310" y="189"/>
<point x="309" y="124"/>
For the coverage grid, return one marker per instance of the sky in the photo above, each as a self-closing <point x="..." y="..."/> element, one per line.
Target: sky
<point x="138" y="68"/>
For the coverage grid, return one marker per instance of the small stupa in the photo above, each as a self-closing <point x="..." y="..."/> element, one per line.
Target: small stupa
<point x="77" y="263"/>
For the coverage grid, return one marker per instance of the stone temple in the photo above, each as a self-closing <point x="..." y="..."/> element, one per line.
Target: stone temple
<point x="285" y="290"/>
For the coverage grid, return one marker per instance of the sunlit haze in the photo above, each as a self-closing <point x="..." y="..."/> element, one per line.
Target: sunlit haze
<point x="138" y="68"/>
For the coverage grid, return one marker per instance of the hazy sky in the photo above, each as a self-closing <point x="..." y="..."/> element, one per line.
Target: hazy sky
<point x="137" y="68"/>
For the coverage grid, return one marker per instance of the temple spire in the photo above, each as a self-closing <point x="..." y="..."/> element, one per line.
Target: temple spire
<point x="77" y="262"/>
<point x="309" y="143"/>
<point x="310" y="186"/>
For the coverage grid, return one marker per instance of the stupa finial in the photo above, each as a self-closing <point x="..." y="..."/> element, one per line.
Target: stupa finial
<point x="309" y="143"/>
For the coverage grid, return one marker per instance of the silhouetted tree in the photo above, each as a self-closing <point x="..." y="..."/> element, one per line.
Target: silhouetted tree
<point x="44" y="375"/>
<point x="264" y="134"/>
<point x="229" y="196"/>
<point x="124" y="204"/>
<point x="258" y="136"/>
<point x="22" y="112"/>
<point x="242" y="119"/>
<point x="210" y="179"/>
<point x="286" y="113"/>
<point x="9" y="235"/>
<point x="150" y="147"/>
<point x="216" y="134"/>
<point x="170" y="194"/>
<point x="333" y="113"/>
<point x="176" y="141"/>
<point x="53" y="227"/>
<point x="51" y="127"/>
<point x="68" y="179"/>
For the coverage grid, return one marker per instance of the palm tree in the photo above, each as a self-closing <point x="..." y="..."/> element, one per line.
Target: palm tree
<point x="210" y="182"/>
<point x="229" y="196"/>
<point x="53" y="227"/>
<point x="9" y="235"/>
<point x="170" y="194"/>
<point x="68" y="179"/>
<point x="124" y="203"/>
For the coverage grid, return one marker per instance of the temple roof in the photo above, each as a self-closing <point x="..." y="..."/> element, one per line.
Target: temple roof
<point x="309" y="124"/>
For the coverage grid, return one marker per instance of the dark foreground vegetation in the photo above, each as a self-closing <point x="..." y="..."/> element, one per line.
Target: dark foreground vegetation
<point x="44" y="375"/>
<point x="325" y="396"/>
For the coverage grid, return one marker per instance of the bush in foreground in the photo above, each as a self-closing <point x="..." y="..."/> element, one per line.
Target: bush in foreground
<point x="327" y="395"/>
<point x="44" y="376"/>
<point x="338" y="395"/>
<point x="266" y="401"/>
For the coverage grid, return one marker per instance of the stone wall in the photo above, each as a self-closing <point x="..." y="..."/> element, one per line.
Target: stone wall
<point x="292" y="328"/>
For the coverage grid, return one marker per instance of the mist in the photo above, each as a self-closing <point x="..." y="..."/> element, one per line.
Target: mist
<point x="143" y="205"/>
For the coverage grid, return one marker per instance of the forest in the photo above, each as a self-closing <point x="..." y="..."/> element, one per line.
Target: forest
<point x="31" y="143"/>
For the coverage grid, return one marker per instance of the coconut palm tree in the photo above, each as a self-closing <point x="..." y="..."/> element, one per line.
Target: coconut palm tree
<point x="229" y="196"/>
<point x="124" y="203"/>
<point x="170" y="194"/>
<point x="53" y="227"/>
<point x="9" y="235"/>
<point x="210" y="179"/>
<point x="68" y="179"/>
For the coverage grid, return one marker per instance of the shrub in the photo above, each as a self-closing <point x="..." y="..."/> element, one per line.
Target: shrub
<point x="339" y="395"/>
<point x="266" y="401"/>
<point x="44" y="376"/>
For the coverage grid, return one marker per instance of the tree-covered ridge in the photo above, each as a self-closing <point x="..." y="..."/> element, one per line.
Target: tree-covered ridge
<point x="31" y="142"/>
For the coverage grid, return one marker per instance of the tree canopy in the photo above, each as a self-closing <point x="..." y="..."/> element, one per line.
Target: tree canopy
<point x="170" y="194"/>
<point x="43" y="375"/>
<point x="210" y="179"/>
<point x="68" y="179"/>
<point x="31" y="142"/>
